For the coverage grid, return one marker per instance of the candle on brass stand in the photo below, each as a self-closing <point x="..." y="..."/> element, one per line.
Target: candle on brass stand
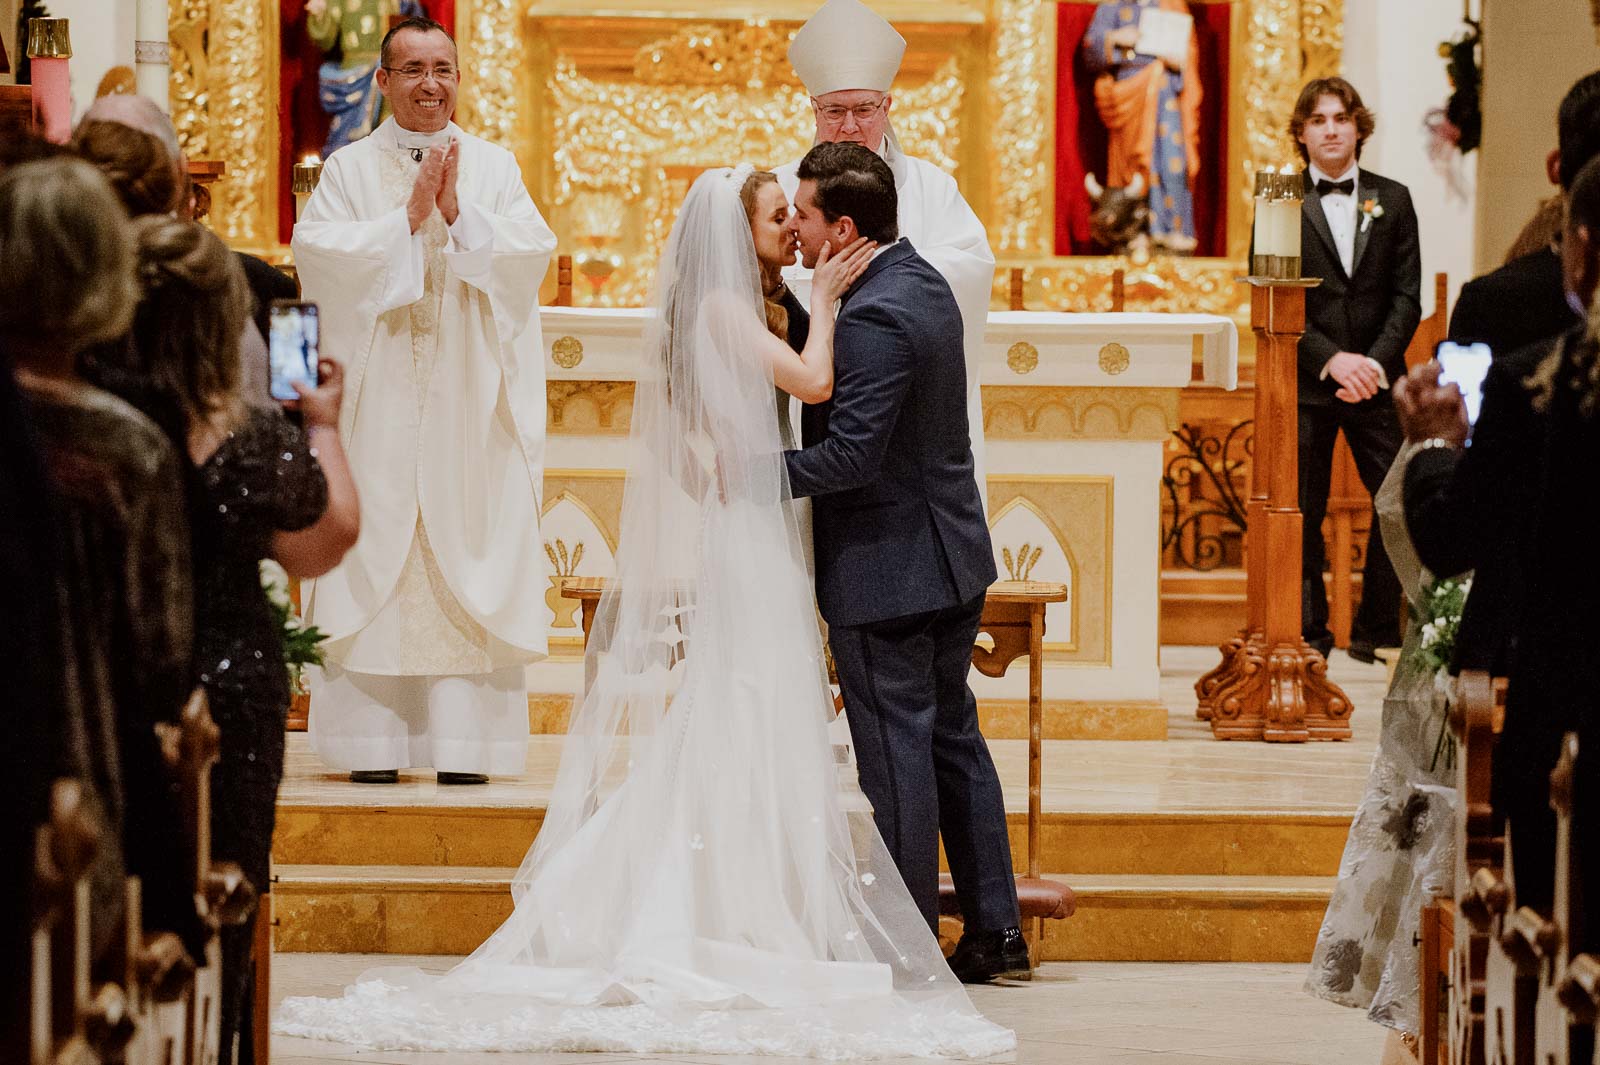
<point x="49" y="48"/>
<point x="152" y="63"/>
<point x="1276" y="244"/>
<point x="1271" y="684"/>
<point x="307" y="172"/>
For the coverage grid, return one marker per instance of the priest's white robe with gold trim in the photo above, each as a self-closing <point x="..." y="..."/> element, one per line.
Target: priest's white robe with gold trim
<point x="444" y="422"/>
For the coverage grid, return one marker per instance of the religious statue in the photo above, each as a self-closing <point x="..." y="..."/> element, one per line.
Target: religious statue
<point x="1145" y="57"/>
<point x="350" y="32"/>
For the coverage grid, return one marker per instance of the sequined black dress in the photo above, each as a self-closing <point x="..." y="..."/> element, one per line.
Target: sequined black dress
<point x="263" y="479"/>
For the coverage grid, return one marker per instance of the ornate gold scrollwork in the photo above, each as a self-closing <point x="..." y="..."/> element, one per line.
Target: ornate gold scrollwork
<point x="1022" y="86"/>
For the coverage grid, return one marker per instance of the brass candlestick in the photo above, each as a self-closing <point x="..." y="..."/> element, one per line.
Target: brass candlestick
<point x="307" y="172"/>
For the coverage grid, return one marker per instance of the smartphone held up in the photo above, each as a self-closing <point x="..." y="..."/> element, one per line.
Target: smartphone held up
<point x="292" y="348"/>
<point x="1465" y="366"/>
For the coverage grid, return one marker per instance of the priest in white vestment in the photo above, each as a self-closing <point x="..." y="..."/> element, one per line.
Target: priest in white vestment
<point x="847" y="57"/>
<point x="425" y="254"/>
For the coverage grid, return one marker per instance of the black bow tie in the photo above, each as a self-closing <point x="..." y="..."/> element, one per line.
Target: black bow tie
<point x="1328" y="188"/>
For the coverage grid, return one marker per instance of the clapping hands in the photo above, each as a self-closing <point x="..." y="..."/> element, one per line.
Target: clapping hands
<point x="436" y="186"/>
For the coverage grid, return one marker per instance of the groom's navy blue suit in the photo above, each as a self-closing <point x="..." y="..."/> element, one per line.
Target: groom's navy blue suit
<point x="903" y="561"/>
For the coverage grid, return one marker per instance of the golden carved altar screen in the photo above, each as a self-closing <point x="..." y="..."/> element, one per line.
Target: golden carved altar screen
<point x="611" y="118"/>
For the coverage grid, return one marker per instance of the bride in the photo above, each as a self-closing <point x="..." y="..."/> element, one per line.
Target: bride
<point x="707" y="878"/>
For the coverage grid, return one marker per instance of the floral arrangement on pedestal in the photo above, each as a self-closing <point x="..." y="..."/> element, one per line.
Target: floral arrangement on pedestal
<point x="302" y="643"/>
<point x="1440" y="617"/>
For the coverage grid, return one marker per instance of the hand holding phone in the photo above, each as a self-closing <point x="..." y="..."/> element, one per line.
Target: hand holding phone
<point x="293" y="348"/>
<point x="1465" y="366"/>
<point x="320" y="406"/>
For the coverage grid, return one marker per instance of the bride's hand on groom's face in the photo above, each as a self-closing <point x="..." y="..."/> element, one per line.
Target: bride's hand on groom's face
<point x="835" y="273"/>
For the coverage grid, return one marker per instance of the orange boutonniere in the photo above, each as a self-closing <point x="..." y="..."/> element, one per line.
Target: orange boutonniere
<point x="1370" y="209"/>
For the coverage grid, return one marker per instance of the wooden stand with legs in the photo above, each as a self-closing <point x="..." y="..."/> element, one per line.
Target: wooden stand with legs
<point x="1271" y="684"/>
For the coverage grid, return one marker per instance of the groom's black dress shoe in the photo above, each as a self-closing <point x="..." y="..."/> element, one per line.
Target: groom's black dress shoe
<point x="984" y="956"/>
<point x="462" y="778"/>
<point x="375" y="776"/>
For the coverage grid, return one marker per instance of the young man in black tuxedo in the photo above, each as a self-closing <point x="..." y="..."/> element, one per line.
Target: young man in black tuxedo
<point x="903" y="557"/>
<point x="1360" y="238"/>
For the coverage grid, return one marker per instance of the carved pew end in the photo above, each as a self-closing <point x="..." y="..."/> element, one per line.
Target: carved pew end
<point x="164" y="968"/>
<point x="1580" y="989"/>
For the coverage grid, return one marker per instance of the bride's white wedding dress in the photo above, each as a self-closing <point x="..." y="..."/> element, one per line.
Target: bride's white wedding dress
<point x="707" y="879"/>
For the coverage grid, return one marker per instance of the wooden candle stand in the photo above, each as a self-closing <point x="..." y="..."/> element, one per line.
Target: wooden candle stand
<point x="1271" y="685"/>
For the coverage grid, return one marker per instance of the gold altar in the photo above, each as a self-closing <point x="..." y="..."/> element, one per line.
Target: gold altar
<point x="612" y="115"/>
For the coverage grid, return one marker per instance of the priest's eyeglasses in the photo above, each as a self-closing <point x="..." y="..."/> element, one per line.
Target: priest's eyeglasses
<point x="834" y="114"/>
<point x="418" y="73"/>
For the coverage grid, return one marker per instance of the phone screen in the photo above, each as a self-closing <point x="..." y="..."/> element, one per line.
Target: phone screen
<point x="292" y="346"/>
<point x="1465" y="366"/>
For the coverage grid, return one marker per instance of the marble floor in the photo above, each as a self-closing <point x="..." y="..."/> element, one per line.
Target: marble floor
<point x="1187" y="772"/>
<point x="1073" y="1013"/>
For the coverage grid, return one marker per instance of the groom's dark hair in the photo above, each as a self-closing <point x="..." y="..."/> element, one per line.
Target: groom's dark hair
<point x="853" y="182"/>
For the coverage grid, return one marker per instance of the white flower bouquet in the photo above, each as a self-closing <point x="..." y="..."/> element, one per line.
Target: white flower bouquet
<point x="302" y="643"/>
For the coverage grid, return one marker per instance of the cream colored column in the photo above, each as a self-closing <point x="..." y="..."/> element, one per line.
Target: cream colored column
<point x="1533" y="51"/>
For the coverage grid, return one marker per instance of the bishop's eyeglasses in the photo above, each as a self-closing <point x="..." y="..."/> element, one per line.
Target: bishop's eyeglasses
<point x="835" y="114"/>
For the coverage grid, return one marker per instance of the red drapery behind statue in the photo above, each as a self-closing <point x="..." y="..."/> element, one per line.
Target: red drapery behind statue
<point x="302" y="123"/>
<point x="1081" y="139"/>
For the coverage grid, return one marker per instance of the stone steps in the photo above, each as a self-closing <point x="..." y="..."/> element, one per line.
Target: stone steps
<point x="416" y="909"/>
<point x="1135" y="843"/>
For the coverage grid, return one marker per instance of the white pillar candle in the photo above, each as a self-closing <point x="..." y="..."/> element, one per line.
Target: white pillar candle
<point x="1293" y="196"/>
<point x="152" y="64"/>
<point x="1261" y="241"/>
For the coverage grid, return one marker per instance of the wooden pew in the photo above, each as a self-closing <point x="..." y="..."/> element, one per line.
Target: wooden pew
<point x="223" y="895"/>
<point x="1563" y="1035"/>
<point x="1511" y="970"/>
<point x="1475" y="720"/>
<point x="1580" y="994"/>
<point x="58" y="983"/>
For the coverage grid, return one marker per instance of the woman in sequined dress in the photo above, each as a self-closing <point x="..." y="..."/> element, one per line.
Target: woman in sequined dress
<point x="258" y="487"/>
<point x="121" y="538"/>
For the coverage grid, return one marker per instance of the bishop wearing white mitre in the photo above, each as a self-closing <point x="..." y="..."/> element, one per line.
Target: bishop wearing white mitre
<point x="425" y="254"/>
<point x="847" y="56"/>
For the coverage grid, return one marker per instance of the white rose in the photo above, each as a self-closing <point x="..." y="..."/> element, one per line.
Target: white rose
<point x="275" y="582"/>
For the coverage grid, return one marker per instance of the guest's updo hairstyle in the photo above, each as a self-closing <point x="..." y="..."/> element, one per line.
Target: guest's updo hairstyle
<point x="771" y="285"/>
<point x="137" y="164"/>
<point x="186" y="332"/>
<point x="66" y="259"/>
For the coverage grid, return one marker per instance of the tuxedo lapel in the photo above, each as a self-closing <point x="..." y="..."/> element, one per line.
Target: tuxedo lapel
<point x="1363" y="223"/>
<point x="1313" y="214"/>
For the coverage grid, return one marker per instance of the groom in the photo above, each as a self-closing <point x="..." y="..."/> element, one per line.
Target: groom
<point x="903" y="556"/>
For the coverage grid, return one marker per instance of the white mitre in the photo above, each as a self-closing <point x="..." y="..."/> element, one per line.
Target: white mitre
<point x="846" y="45"/>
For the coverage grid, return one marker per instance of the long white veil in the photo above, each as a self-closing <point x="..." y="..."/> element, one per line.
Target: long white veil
<point x="707" y="878"/>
